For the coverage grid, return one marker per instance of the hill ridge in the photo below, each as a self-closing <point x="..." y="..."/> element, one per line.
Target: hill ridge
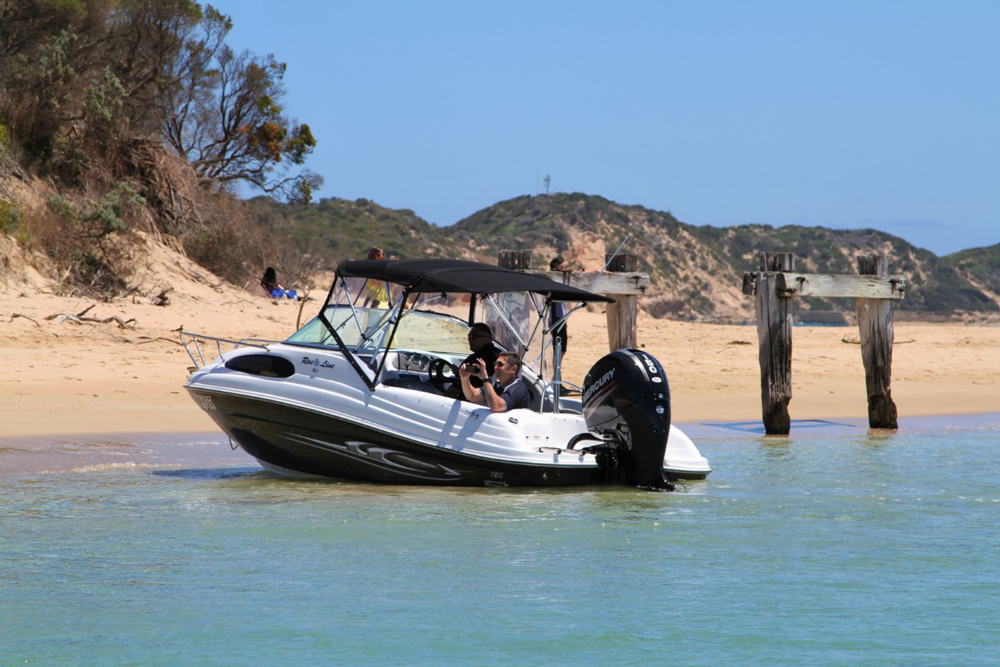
<point x="696" y="270"/>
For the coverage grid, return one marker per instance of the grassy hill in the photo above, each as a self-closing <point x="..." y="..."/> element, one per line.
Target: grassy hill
<point x="981" y="265"/>
<point x="336" y="229"/>
<point x="696" y="271"/>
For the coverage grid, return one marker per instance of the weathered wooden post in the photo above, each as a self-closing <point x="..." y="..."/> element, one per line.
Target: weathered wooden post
<point x="875" y="329"/>
<point x="776" y="284"/>
<point x="518" y="260"/>
<point x="623" y="313"/>
<point x="774" y="335"/>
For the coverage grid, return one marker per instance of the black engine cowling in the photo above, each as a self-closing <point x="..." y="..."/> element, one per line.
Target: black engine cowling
<point x="626" y="402"/>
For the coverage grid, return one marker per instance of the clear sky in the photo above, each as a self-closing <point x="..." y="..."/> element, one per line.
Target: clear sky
<point x="846" y="114"/>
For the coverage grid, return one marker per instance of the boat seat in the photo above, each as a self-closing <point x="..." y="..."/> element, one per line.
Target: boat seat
<point x="376" y="359"/>
<point x="546" y="402"/>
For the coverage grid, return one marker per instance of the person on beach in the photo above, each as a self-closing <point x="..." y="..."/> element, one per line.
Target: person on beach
<point x="270" y="284"/>
<point x="505" y="392"/>
<point x="557" y="311"/>
<point x="376" y="292"/>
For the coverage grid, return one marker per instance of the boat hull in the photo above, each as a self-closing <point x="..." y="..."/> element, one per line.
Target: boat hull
<point x="315" y="443"/>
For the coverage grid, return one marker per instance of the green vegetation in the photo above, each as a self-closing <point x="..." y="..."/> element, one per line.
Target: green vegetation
<point x="9" y="215"/>
<point x="684" y="259"/>
<point x="89" y="241"/>
<point x="82" y="80"/>
<point x="141" y="118"/>
<point x="982" y="264"/>
<point x="333" y="230"/>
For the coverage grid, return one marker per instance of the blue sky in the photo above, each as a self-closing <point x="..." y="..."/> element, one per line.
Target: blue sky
<point x="843" y="114"/>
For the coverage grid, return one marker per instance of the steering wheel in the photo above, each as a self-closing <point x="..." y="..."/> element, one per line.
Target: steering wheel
<point x="436" y="370"/>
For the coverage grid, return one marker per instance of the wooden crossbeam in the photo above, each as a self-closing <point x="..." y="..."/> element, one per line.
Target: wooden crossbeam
<point x="629" y="284"/>
<point x="773" y="287"/>
<point x="813" y="284"/>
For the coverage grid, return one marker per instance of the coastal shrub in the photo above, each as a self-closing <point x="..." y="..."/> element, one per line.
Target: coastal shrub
<point x="88" y="241"/>
<point x="9" y="215"/>
<point x="6" y="143"/>
<point x="110" y="213"/>
<point x="238" y="240"/>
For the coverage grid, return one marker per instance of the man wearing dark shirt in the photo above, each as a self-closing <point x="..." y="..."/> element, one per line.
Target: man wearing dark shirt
<point x="482" y="346"/>
<point x="506" y="392"/>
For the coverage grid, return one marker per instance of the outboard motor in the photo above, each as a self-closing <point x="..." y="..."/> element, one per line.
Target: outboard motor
<point x="626" y="401"/>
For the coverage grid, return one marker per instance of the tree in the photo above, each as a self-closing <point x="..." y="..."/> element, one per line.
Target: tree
<point x="146" y="39"/>
<point x="41" y="51"/>
<point x="81" y="79"/>
<point x="225" y="116"/>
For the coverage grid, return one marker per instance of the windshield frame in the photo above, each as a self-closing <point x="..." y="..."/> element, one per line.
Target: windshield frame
<point x="340" y="295"/>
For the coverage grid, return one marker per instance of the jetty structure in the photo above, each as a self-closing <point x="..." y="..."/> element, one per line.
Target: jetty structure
<point x="774" y="286"/>
<point x="620" y="281"/>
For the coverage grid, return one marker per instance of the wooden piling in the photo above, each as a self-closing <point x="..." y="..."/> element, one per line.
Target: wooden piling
<point x="623" y="314"/>
<point x="518" y="260"/>
<point x="776" y="284"/>
<point x="774" y="335"/>
<point x="875" y="329"/>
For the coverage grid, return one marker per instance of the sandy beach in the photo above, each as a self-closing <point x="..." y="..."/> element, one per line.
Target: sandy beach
<point x="61" y="376"/>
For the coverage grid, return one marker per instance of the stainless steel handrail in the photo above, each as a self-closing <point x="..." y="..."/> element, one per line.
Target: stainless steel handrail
<point x="192" y="345"/>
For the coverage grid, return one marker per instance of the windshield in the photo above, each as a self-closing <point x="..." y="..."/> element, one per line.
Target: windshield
<point x="418" y="330"/>
<point x="361" y="312"/>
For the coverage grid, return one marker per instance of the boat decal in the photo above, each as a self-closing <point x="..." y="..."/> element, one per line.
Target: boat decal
<point x="383" y="458"/>
<point x="307" y="361"/>
<point x="205" y="401"/>
<point x="597" y="401"/>
<point x="604" y="379"/>
<point x="639" y="363"/>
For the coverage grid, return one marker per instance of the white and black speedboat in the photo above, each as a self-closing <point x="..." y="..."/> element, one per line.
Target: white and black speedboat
<point x="361" y="393"/>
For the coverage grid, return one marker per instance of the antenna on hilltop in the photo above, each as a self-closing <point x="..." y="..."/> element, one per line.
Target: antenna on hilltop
<point x="548" y="179"/>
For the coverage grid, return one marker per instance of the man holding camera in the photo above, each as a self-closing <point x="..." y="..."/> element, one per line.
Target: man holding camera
<point x="483" y="348"/>
<point x="506" y="392"/>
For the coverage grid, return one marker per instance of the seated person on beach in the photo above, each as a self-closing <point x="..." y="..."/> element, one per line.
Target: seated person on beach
<point x="270" y="284"/>
<point x="506" y="392"/>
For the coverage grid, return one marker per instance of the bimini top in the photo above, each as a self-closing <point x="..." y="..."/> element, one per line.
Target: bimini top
<point x="463" y="277"/>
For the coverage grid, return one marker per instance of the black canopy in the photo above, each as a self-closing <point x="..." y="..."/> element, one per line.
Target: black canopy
<point x="453" y="275"/>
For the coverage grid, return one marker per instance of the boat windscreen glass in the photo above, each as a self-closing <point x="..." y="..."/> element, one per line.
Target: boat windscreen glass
<point x="361" y="311"/>
<point x="362" y="330"/>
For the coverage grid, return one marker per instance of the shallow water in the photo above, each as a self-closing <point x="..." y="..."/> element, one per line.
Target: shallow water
<point x="834" y="546"/>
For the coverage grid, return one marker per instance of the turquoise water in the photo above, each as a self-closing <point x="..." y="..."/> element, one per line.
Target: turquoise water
<point x="830" y="547"/>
